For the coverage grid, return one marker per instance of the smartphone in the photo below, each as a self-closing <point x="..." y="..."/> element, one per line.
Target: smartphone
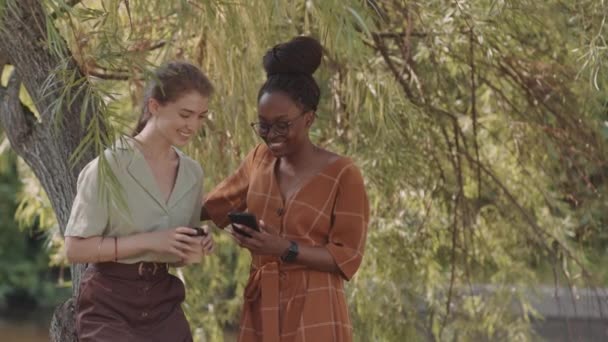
<point x="199" y="231"/>
<point x="246" y="219"/>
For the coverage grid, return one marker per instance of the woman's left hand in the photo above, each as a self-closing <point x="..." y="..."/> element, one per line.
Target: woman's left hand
<point x="262" y="242"/>
<point x="207" y="242"/>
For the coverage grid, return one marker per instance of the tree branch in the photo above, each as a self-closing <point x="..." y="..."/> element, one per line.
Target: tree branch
<point x="147" y="46"/>
<point x="400" y="35"/>
<point x="16" y="118"/>
<point x="91" y="68"/>
<point x="381" y="47"/>
<point x="107" y="76"/>
<point x="126" y="2"/>
<point x="474" y="107"/>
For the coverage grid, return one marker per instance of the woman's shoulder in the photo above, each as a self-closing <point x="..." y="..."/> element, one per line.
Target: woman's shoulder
<point x="344" y="168"/>
<point x="120" y="154"/>
<point x="112" y="156"/>
<point x="117" y="157"/>
<point x="108" y="162"/>
<point x="331" y="158"/>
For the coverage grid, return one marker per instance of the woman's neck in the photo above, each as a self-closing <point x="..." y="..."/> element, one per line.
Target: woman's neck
<point x="301" y="157"/>
<point x="153" y="145"/>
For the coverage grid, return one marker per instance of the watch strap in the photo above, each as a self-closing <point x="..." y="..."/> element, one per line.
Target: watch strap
<point x="291" y="253"/>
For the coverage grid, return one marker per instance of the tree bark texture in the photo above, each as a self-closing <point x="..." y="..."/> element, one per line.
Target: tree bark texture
<point x="45" y="141"/>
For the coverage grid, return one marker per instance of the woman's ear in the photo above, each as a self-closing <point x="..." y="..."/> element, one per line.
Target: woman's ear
<point x="153" y="106"/>
<point x="310" y="118"/>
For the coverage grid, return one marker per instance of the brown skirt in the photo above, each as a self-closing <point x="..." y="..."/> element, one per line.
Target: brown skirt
<point x="131" y="302"/>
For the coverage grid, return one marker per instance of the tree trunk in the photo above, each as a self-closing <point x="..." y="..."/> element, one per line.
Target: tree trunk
<point x="45" y="142"/>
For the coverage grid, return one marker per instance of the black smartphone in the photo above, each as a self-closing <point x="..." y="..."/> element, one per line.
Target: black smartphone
<point x="199" y="231"/>
<point x="246" y="219"/>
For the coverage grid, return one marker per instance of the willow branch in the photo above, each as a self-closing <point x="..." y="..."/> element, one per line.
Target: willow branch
<point x="108" y="76"/>
<point x="474" y="107"/>
<point x="381" y="47"/>
<point x="68" y="4"/>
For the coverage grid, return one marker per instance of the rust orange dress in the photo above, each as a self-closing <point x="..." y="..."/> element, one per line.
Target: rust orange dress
<point x="290" y="302"/>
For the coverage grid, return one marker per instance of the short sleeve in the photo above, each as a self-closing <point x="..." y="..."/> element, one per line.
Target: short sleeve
<point x="348" y="233"/>
<point x="231" y="193"/>
<point x="89" y="215"/>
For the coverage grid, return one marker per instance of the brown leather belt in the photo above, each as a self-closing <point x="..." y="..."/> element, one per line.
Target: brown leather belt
<point x="137" y="271"/>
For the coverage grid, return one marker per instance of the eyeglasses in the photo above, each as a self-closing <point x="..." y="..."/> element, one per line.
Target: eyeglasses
<point x="279" y="128"/>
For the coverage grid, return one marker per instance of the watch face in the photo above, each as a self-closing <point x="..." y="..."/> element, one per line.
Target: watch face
<point x="293" y="247"/>
<point x="291" y="253"/>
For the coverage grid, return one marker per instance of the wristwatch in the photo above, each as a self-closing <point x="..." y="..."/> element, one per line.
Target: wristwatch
<point x="291" y="253"/>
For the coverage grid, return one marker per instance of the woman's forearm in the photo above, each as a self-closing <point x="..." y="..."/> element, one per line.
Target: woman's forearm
<point x="263" y="243"/>
<point x="317" y="258"/>
<point x="98" y="249"/>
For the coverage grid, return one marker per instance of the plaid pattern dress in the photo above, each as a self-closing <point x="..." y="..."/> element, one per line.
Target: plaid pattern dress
<point x="290" y="302"/>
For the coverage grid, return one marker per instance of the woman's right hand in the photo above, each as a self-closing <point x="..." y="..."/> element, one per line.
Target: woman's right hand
<point x="206" y="246"/>
<point x="178" y="241"/>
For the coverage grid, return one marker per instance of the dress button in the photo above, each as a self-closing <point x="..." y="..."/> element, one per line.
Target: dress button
<point x="144" y="314"/>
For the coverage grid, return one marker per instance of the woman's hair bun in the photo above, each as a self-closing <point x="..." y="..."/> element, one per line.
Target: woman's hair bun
<point x="301" y="55"/>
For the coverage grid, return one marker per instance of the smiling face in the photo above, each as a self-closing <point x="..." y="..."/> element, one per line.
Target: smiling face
<point x="283" y="125"/>
<point x="178" y="121"/>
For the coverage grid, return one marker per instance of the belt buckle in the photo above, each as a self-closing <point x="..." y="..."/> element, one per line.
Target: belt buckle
<point x="141" y="268"/>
